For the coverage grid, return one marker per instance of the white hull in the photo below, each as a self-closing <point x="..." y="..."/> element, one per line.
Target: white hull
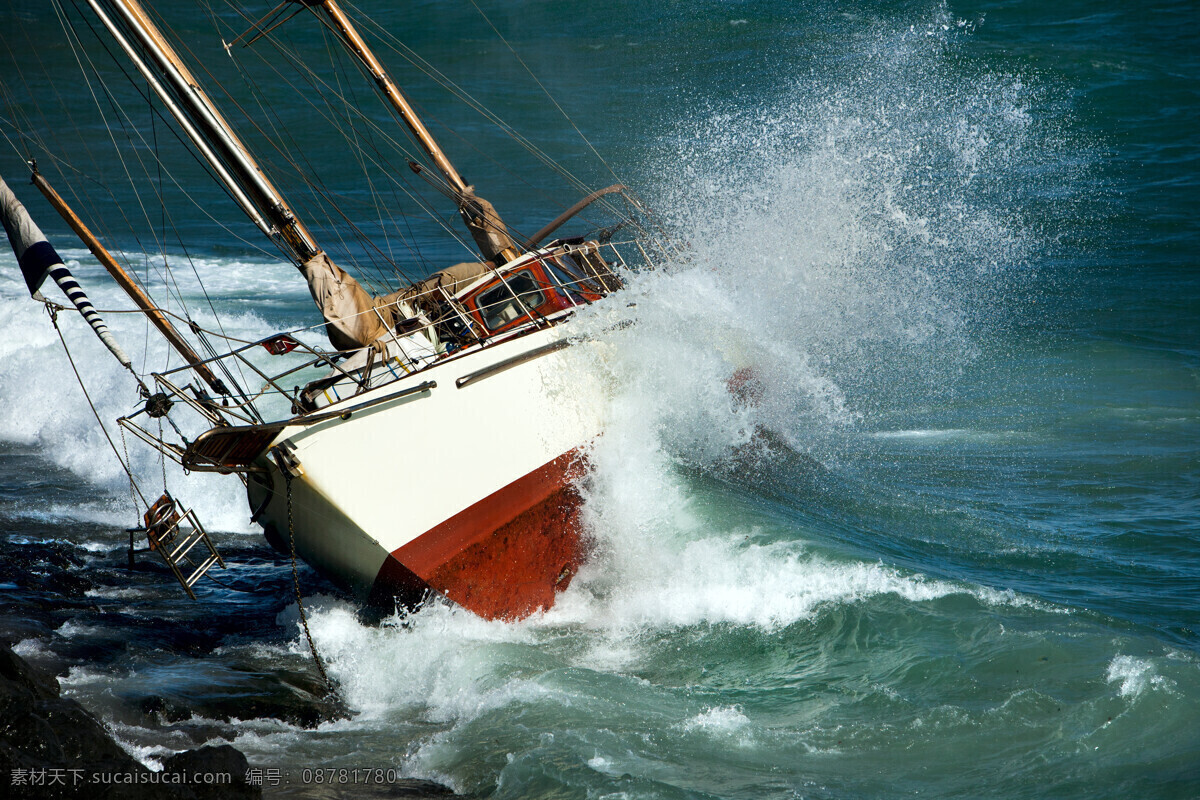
<point x="372" y="485"/>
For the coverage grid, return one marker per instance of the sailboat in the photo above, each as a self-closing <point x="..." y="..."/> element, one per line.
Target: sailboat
<point x="434" y="449"/>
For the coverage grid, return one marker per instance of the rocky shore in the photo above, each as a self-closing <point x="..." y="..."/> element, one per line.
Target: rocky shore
<point x="51" y="747"/>
<point x="86" y="608"/>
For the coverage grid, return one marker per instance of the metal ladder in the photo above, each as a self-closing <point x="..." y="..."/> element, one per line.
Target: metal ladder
<point x="188" y="552"/>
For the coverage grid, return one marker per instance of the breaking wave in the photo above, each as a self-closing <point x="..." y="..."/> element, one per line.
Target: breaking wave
<point x="846" y="249"/>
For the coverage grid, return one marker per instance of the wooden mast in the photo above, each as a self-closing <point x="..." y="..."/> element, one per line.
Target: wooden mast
<point x="347" y="308"/>
<point x="207" y="128"/>
<point x="391" y="92"/>
<point x="350" y="36"/>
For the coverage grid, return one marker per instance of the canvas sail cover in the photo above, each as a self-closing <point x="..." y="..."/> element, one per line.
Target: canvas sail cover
<point x="487" y="229"/>
<point x="451" y="279"/>
<point x="38" y="259"/>
<point x="352" y="316"/>
<point x="354" y="319"/>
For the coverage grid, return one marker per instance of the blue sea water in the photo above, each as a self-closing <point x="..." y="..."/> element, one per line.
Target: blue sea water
<point x="950" y="549"/>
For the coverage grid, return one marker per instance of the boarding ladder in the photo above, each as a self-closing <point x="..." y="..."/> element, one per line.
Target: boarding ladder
<point x="181" y="541"/>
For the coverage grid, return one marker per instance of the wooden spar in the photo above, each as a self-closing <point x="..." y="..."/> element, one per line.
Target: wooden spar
<point x="199" y="111"/>
<point x="391" y="92"/>
<point x="345" y="28"/>
<point x="196" y="137"/>
<point x="342" y="301"/>
<point x="123" y="279"/>
<point x="561" y="219"/>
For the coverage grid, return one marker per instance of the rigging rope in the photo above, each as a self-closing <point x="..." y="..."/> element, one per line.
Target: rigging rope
<point x="437" y="76"/>
<point x="52" y="310"/>
<point x="321" y="88"/>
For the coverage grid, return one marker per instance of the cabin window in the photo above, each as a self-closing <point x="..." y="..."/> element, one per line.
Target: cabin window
<point x="574" y="286"/>
<point x="499" y="307"/>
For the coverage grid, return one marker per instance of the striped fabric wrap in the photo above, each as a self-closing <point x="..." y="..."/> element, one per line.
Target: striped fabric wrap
<point x="38" y="259"/>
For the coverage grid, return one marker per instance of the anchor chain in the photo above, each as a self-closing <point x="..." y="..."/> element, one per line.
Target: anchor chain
<point x="329" y="687"/>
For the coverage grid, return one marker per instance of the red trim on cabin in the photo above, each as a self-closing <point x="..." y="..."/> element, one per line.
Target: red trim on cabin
<point x="554" y="301"/>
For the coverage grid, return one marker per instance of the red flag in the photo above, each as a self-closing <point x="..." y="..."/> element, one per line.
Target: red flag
<point x="279" y="344"/>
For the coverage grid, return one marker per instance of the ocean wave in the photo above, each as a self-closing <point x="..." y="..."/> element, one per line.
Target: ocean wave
<point x="1134" y="676"/>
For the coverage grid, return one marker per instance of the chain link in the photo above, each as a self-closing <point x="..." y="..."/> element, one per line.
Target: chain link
<point x="332" y="691"/>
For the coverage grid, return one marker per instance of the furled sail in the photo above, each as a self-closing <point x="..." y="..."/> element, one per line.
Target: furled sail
<point x="353" y="319"/>
<point x="486" y="227"/>
<point x="39" y="259"/>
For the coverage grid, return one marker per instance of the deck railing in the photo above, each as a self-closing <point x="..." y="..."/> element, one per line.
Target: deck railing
<point x="310" y="369"/>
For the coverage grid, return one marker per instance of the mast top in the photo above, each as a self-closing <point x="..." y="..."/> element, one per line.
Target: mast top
<point x="485" y="225"/>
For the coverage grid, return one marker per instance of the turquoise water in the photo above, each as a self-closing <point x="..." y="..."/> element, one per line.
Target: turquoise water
<point x="949" y="550"/>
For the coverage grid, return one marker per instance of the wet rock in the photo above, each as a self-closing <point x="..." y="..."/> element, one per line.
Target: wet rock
<point x="45" y="566"/>
<point x="70" y="584"/>
<point x="48" y="744"/>
<point x="408" y="789"/>
<point x="167" y="711"/>
<point x="15" y="628"/>
<point x="415" y="789"/>
<point x="17" y="674"/>
<point x="293" y="698"/>
<point x="51" y="747"/>
<point x="213" y="761"/>
<point x="219" y="758"/>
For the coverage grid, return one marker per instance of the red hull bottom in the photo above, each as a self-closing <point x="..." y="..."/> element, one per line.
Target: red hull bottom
<point x="505" y="557"/>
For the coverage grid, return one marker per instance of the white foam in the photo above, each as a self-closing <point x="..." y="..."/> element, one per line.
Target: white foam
<point x="113" y="511"/>
<point x="718" y="720"/>
<point x="72" y="630"/>
<point x="33" y="368"/>
<point x="717" y="580"/>
<point x="823" y="258"/>
<point x="148" y="755"/>
<point x="31" y="648"/>
<point x="1135" y="676"/>
<point x="77" y="677"/>
<point x="116" y="593"/>
<point x="923" y="434"/>
<point x="600" y="763"/>
<point x="445" y="659"/>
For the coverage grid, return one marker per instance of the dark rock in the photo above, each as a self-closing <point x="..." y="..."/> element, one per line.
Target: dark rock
<point x="80" y="738"/>
<point x="219" y="760"/>
<point x="294" y="698"/>
<point x="407" y="789"/>
<point x="51" y="747"/>
<point x="414" y="788"/>
<point x="70" y="584"/>
<point x="164" y="708"/>
<point x="14" y="670"/>
<point x="14" y="628"/>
